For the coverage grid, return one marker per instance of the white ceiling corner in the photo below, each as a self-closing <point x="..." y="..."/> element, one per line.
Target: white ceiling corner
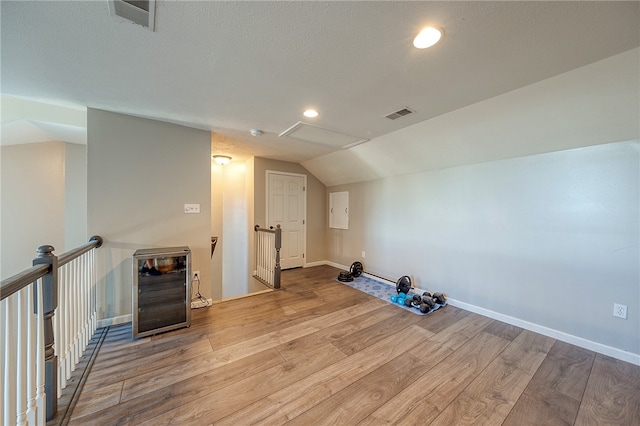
<point x="23" y="131"/>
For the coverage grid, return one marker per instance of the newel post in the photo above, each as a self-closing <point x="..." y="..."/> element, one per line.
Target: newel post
<point x="276" y="272"/>
<point x="50" y="303"/>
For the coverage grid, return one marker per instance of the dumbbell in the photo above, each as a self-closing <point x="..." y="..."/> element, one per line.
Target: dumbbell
<point x="439" y="298"/>
<point x="427" y="304"/>
<point x="424" y="308"/>
<point x="416" y="300"/>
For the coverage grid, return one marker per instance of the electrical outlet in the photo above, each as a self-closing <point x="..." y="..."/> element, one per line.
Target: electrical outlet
<point x="363" y="253"/>
<point x="620" y="311"/>
<point x="196" y="275"/>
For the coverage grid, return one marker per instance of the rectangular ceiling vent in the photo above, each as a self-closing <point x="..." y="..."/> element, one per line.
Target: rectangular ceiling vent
<point x="400" y="113"/>
<point x="142" y="12"/>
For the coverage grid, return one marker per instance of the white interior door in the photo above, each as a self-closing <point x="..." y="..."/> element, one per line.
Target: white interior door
<point x="286" y="206"/>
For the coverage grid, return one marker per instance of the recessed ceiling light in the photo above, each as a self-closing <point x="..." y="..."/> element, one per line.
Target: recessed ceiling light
<point x="256" y="132"/>
<point x="427" y="37"/>
<point x="310" y="113"/>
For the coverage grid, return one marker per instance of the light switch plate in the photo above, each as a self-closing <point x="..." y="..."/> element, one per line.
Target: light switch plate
<point x="191" y="208"/>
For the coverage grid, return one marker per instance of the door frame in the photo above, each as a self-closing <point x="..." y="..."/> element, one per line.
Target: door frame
<point x="305" y="190"/>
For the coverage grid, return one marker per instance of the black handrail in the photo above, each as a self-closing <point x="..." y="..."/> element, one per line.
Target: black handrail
<point x="21" y="280"/>
<point x="94" y="242"/>
<point x="270" y="230"/>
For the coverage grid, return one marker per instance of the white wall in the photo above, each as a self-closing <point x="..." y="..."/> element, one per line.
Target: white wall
<point x="75" y="195"/>
<point x="43" y="180"/>
<point x="235" y="230"/>
<point x="140" y="174"/>
<point x="43" y="187"/>
<point x="217" y="189"/>
<point x="551" y="239"/>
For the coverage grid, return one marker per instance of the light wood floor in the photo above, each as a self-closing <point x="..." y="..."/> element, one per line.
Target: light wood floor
<point x="319" y="352"/>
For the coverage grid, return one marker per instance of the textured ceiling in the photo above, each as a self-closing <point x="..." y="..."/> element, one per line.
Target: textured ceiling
<point x="233" y="66"/>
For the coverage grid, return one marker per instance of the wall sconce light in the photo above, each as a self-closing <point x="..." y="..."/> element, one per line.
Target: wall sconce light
<point x="222" y="159"/>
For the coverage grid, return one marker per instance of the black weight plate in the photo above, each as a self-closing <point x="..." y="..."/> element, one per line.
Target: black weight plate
<point x="404" y="284"/>
<point x="345" y="277"/>
<point x="356" y="269"/>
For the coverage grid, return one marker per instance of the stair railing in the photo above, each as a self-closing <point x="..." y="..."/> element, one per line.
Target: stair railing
<point x="268" y="244"/>
<point x="48" y="315"/>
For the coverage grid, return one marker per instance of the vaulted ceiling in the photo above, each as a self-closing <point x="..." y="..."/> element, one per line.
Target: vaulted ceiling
<point x="234" y="66"/>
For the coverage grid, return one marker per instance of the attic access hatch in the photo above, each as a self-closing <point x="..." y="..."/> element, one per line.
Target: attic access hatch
<point x="142" y="12"/>
<point x="312" y="133"/>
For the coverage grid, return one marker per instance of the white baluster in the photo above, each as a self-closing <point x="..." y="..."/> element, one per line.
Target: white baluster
<point x="265" y="256"/>
<point x="272" y="258"/>
<point x="60" y="324"/>
<point x="41" y="400"/>
<point x="87" y="297"/>
<point x="265" y="270"/>
<point x="32" y="332"/>
<point x="268" y="243"/>
<point x="94" y="291"/>
<point x="10" y="363"/>
<point x="259" y="257"/>
<point x="4" y="324"/>
<point x="69" y="326"/>
<point x="260" y="272"/>
<point x="21" y="357"/>
<point x="81" y="305"/>
<point x="77" y="304"/>
<point x="71" y="303"/>
<point x="262" y="257"/>
<point x="70" y="308"/>
<point x="84" y="284"/>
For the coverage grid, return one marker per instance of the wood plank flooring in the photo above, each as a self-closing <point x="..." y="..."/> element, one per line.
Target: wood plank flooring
<point x="319" y="352"/>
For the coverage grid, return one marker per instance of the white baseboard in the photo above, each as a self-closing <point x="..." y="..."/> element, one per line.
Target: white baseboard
<point x="550" y="332"/>
<point x="545" y="331"/>
<point x="335" y="265"/>
<point x="122" y="319"/>
<point x="316" y="263"/>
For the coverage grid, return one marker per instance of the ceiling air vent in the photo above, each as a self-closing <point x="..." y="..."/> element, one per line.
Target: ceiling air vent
<point x="142" y="12"/>
<point x="400" y="113"/>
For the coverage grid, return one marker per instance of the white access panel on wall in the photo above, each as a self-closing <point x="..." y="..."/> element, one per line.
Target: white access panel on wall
<point x="339" y="210"/>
